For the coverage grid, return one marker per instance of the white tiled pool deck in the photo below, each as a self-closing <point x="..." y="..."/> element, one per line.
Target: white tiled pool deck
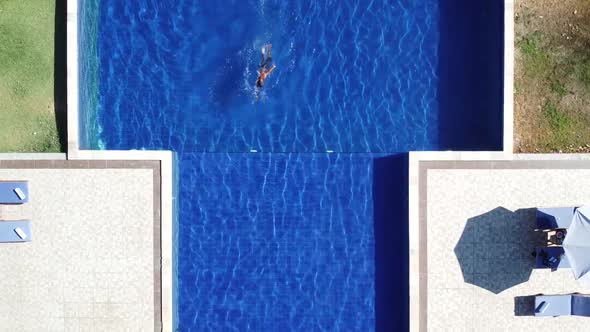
<point x="90" y="265"/>
<point x="476" y="224"/>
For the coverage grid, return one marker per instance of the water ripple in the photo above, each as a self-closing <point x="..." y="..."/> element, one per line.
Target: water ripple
<point x="281" y="241"/>
<point x="337" y="61"/>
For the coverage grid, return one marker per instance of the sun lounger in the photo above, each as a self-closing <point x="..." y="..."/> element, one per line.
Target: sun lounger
<point x="562" y="305"/>
<point x="559" y="217"/>
<point x="15" y="231"/>
<point x="553" y="305"/>
<point x="14" y="192"/>
<point x="551" y="258"/>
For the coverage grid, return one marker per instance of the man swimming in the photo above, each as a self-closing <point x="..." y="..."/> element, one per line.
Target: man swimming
<point x="265" y="68"/>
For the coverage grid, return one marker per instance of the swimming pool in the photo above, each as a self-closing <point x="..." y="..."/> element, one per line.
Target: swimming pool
<point x="288" y="204"/>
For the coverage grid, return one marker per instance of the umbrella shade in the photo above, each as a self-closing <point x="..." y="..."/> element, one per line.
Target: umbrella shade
<point x="577" y="243"/>
<point x="493" y="250"/>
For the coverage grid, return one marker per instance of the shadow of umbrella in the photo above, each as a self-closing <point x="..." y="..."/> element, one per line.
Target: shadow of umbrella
<point x="494" y="251"/>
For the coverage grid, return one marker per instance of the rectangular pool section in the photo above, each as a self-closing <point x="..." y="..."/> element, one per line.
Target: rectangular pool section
<point x="292" y="207"/>
<point x="276" y="242"/>
<point x="352" y="76"/>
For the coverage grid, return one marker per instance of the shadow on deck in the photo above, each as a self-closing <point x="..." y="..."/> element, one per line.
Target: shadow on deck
<point x="494" y="251"/>
<point x="60" y="88"/>
<point x="471" y="73"/>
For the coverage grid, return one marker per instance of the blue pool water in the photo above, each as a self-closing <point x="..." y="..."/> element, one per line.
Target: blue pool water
<point x="287" y="249"/>
<point x="351" y="76"/>
<point x="291" y="238"/>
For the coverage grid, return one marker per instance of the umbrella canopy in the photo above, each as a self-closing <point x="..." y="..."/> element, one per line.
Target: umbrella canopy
<point x="577" y="244"/>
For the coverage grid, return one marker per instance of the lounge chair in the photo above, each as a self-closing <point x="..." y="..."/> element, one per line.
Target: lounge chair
<point x="551" y="258"/>
<point x="15" y="231"/>
<point x="562" y="305"/>
<point x="551" y="218"/>
<point x="14" y="192"/>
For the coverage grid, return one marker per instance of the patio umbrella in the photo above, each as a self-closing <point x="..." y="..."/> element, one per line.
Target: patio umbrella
<point x="577" y="244"/>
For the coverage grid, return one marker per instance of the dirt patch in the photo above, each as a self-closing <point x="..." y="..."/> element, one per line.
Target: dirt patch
<point x="552" y="76"/>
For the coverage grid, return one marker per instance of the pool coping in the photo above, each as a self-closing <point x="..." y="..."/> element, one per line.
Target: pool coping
<point x="33" y="156"/>
<point x="72" y="75"/>
<point x="508" y="107"/>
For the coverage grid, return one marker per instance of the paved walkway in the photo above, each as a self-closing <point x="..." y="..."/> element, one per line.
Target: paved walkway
<point x="479" y="224"/>
<point x="90" y="265"/>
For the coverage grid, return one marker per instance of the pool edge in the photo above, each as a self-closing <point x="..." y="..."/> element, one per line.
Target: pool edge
<point x="165" y="158"/>
<point x="508" y="111"/>
<point x="72" y="76"/>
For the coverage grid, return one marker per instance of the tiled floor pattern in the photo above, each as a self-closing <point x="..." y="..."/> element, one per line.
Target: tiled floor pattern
<point x="479" y="239"/>
<point x="90" y="266"/>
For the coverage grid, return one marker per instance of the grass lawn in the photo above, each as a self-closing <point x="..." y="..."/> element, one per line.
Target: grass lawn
<point x="552" y="76"/>
<point x="27" y="98"/>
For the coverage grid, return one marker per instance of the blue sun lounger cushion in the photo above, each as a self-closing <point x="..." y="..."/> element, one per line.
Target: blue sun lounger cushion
<point x="551" y="258"/>
<point x="562" y="305"/>
<point x="15" y="231"/>
<point x="553" y="305"/>
<point x="14" y="192"/>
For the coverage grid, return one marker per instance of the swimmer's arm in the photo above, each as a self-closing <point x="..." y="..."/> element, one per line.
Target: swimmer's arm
<point x="270" y="71"/>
